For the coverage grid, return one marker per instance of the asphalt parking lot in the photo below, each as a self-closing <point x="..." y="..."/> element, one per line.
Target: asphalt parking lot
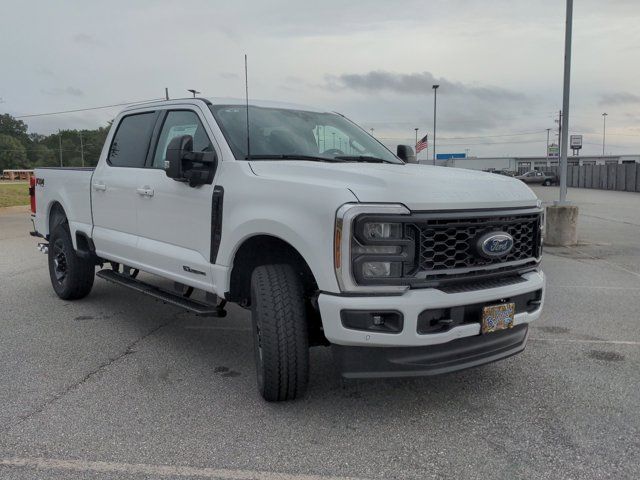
<point x="119" y="386"/>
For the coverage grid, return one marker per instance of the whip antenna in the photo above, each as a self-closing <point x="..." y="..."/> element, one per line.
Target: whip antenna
<point x="246" y="96"/>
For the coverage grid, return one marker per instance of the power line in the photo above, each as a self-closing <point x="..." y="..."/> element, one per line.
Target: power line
<point x="87" y="109"/>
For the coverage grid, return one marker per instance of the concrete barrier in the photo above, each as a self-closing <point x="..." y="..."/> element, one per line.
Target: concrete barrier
<point x="630" y="176"/>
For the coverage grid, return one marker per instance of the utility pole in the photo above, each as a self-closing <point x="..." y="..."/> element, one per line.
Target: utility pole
<point x="604" y="129"/>
<point x="81" y="149"/>
<point x="60" y="145"/>
<point x="435" y="95"/>
<point x="548" y="130"/>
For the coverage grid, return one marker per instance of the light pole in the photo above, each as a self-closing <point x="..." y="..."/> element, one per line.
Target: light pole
<point x="565" y="103"/>
<point x="604" y="130"/>
<point x="435" y="95"/>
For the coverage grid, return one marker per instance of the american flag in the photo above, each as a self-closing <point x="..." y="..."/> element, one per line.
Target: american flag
<point x="422" y="144"/>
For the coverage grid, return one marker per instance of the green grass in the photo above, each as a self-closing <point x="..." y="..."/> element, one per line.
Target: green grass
<point x="12" y="194"/>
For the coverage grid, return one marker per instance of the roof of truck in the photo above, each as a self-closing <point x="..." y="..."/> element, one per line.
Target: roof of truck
<point x="226" y="101"/>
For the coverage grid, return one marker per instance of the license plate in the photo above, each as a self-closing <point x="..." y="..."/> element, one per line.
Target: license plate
<point x="497" y="317"/>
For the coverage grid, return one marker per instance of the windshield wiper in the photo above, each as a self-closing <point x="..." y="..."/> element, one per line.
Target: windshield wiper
<point x="311" y="158"/>
<point x="362" y="158"/>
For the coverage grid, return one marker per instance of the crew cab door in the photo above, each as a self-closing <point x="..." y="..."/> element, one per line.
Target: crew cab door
<point x="114" y="188"/>
<point x="174" y="219"/>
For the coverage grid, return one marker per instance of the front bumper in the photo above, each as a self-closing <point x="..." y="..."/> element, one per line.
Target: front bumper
<point x="375" y="362"/>
<point x="411" y="304"/>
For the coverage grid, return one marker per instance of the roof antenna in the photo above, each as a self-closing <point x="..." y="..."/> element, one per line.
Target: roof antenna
<point x="246" y="96"/>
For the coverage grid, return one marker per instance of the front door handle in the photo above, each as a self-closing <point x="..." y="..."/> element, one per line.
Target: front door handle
<point x="145" y="191"/>
<point x="99" y="186"/>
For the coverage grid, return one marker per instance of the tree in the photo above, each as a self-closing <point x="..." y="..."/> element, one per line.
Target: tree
<point x="14" y="128"/>
<point x="12" y="153"/>
<point x="42" y="156"/>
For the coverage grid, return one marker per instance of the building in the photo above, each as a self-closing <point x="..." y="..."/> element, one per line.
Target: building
<point x="525" y="164"/>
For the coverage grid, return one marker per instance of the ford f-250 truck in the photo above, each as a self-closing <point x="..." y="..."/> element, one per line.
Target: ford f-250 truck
<point x="303" y="217"/>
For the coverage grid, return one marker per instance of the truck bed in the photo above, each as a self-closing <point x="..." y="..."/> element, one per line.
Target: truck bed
<point x="68" y="186"/>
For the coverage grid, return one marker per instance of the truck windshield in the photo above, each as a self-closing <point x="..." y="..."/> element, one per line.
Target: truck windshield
<point x="279" y="133"/>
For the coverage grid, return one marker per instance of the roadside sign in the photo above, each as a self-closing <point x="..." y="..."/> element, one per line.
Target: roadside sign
<point x="448" y="156"/>
<point x="575" y="142"/>
<point x="554" y="151"/>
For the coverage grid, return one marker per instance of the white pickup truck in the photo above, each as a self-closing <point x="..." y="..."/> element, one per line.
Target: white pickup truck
<point x="310" y="222"/>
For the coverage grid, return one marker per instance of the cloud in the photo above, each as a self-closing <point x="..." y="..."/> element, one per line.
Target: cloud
<point x="229" y="75"/>
<point x="618" y="98"/>
<point x="72" y="91"/>
<point x="86" y="39"/>
<point x="419" y="84"/>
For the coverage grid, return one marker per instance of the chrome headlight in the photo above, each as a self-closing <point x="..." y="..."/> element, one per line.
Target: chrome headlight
<point x="370" y="248"/>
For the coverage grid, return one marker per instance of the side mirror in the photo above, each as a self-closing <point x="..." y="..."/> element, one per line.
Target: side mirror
<point x="185" y="165"/>
<point x="405" y="152"/>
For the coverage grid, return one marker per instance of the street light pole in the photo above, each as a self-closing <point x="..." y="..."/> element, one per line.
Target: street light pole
<point x="604" y="129"/>
<point x="435" y="95"/>
<point x="565" y="103"/>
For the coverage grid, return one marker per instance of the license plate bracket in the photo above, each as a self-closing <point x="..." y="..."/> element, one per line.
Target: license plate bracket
<point x="497" y="317"/>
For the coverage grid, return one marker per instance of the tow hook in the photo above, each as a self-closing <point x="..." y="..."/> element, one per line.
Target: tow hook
<point x="43" y="247"/>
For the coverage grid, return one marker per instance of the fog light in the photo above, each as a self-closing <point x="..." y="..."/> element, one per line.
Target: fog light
<point x="389" y="321"/>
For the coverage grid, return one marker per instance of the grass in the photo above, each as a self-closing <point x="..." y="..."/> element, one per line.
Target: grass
<point x="12" y="194"/>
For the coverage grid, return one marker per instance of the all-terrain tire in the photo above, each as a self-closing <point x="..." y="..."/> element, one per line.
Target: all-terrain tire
<point x="71" y="276"/>
<point x="281" y="341"/>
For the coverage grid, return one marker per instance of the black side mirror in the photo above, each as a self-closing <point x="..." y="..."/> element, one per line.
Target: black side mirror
<point x="185" y="165"/>
<point x="405" y="152"/>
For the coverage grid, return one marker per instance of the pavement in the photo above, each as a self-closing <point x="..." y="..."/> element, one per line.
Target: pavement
<point x="119" y="386"/>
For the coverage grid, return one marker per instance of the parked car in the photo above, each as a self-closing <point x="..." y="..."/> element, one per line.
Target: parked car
<point x="403" y="269"/>
<point x="542" y="178"/>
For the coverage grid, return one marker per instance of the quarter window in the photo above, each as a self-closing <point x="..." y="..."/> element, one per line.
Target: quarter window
<point x="131" y="141"/>
<point x="177" y="124"/>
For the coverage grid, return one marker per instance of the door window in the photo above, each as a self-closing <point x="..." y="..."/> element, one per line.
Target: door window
<point x="176" y="124"/>
<point x="131" y="141"/>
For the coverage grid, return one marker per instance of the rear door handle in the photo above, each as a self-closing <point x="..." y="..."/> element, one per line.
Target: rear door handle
<point x="145" y="191"/>
<point x="99" y="186"/>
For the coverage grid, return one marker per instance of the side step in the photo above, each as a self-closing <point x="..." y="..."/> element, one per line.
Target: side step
<point x="165" y="296"/>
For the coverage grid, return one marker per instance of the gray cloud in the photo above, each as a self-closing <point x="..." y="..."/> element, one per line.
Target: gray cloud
<point x="618" y="98"/>
<point x="420" y="84"/>
<point x="72" y="91"/>
<point x="86" y="39"/>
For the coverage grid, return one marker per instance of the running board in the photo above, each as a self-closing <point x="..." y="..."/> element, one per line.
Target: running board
<point x="165" y="296"/>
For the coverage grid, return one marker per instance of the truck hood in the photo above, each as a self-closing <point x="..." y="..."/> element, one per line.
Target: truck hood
<point x="418" y="187"/>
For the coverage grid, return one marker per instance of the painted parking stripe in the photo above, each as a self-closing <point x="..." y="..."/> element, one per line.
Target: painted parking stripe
<point x="155" y="470"/>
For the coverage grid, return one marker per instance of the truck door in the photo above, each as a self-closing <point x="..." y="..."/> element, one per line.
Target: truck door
<point x="114" y="188"/>
<point x="174" y="219"/>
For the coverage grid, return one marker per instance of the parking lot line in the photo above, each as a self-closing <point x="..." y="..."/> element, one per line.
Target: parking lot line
<point x="577" y="340"/>
<point x="86" y="466"/>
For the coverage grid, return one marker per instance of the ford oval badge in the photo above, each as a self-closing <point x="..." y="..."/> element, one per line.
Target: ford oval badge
<point x="495" y="244"/>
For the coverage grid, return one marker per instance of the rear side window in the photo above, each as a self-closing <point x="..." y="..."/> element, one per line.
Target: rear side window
<point x="131" y="141"/>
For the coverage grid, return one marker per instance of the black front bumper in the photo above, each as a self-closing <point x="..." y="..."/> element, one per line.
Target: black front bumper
<point x="376" y="362"/>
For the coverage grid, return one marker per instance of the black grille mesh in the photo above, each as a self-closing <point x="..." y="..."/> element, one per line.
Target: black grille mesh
<point x="446" y="244"/>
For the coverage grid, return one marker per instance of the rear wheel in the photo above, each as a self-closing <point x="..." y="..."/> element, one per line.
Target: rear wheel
<point x="546" y="183"/>
<point x="71" y="276"/>
<point x="281" y="343"/>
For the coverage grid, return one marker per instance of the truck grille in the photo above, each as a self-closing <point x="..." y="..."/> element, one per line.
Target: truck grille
<point x="446" y="246"/>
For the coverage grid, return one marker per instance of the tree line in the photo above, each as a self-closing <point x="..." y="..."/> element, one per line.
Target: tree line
<point x="71" y="148"/>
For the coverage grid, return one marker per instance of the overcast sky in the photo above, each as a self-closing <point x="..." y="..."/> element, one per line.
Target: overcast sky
<point x="499" y="63"/>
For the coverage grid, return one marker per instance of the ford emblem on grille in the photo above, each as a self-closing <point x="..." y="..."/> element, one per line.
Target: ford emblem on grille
<point x="494" y="244"/>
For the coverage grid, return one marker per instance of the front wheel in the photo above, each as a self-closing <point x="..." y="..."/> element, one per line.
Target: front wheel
<point x="546" y="183"/>
<point x="281" y="342"/>
<point x="71" y="276"/>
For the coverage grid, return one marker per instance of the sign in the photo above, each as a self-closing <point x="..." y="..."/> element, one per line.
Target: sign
<point x="575" y="142"/>
<point x="449" y="156"/>
<point x="554" y="151"/>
